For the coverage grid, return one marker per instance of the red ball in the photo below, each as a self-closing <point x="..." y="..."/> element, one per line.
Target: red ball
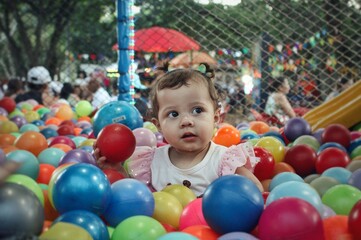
<point x="113" y="175"/>
<point x="68" y="122"/>
<point x="264" y="168"/>
<point x="65" y="130"/>
<point x="336" y="133"/>
<point x="116" y="142"/>
<point x="63" y="140"/>
<point x="302" y="158"/>
<point x="354" y="220"/>
<point x="290" y="218"/>
<point x="8" y="104"/>
<point x="331" y="157"/>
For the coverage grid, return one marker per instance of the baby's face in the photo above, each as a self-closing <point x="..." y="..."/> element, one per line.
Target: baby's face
<point x="187" y="116"/>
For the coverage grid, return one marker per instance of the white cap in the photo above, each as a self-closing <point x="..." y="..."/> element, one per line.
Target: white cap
<point x="39" y="75"/>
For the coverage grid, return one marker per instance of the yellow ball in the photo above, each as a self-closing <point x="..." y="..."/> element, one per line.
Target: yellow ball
<point x="274" y="146"/>
<point x="8" y="127"/>
<point x="167" y="208"/>
<point x="31" y="116"/>
<point x="182" y="193"/>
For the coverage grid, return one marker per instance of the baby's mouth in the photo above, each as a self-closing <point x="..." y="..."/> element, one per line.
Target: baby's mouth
<point x="188" y="135"/>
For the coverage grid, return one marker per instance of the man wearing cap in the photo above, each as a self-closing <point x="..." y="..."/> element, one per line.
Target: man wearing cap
<point x="37" y="82"/>
<point x="99" y="95"/>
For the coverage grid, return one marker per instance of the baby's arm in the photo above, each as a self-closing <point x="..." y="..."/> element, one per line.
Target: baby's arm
<point x="243" y="171"/>
<point x="104" y="164"/>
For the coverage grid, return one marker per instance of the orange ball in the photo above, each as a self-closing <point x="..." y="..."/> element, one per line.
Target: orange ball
<point x="9" y="148"/>
<point x="282" y="167"/>
<point x="53" y="121"/>
<point x="45" y="171"/>
<point x="66" y="148"/>
<point x="227" y="136"/>
<point x="7" y="139"/>
<point x="336" y="227"/>
<point x="85" y="118"/>
<point x="202" y="232"/>
<point x="259" y="127"/>
<point x="49" y="211"/>
<point x="64" y="112"/>
<point x="32" y="141"/>
<point x="77" y="131"/>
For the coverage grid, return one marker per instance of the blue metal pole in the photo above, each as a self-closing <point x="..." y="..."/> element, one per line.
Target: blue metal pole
<point x="123" y="50"/>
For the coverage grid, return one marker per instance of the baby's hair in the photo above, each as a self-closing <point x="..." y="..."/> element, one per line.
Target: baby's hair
<point x="277" y="82"/>
<point x="177" y="78"/>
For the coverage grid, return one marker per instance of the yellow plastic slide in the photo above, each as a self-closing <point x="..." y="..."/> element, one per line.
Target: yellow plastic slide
<point x="344" y="109"/>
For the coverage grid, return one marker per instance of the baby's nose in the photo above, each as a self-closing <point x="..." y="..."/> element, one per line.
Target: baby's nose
<point x="186" y="121"/>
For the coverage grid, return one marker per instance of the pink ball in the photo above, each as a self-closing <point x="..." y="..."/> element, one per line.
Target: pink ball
<point x="145" y="137"/>
<point x="355" y="135"/>
<point x="192" y="215"/>
<point x="290" y="218"/>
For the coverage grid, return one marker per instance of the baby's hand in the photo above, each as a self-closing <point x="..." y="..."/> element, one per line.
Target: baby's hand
<point x="102" y="162"/>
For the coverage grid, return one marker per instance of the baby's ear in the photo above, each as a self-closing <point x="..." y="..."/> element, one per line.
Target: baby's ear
<point x="156" y="123"/>
<point x="217" y="115"/>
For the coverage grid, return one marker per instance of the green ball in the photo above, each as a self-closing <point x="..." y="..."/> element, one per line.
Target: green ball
<point x="83" y="108"/>
<point x="29" y="183"/>
<point x="356" y="152"/>
<point x="139" y="228"/>
<point x="341" y="198"/>
<point x="307" y="140"/>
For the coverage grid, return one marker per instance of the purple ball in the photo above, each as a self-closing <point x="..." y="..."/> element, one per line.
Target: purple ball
<point x="77" y="156"/>
<point x="355" y="179"/>
<point x="3" y="112"/>
<point x="242" y="125"/>
<point x="296" y="127"/>
<point x="318" y="134"/>
<point x="19" y="120"/>
<point x="2" y="157"/>
<point x="237" y="235"/>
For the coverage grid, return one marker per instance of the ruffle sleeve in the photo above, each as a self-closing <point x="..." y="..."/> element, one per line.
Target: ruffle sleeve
<point x="238" y="156"/>
<point x="139" y="164"/>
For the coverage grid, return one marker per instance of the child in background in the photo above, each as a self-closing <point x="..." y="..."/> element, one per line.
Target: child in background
<point x="186" y="110"/>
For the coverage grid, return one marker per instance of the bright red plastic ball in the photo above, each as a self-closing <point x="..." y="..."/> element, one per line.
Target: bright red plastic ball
<point x="264" y="168"/>
<point x="302" y="158"/>
<point x="336" y="133"/>
<point x="331" y="157"/>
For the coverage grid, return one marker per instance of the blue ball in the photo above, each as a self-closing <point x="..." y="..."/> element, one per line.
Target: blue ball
<point x="51" y="156"/>
<point x="354" y="144"/>
<point x="232" y="203"/>
<point x="130" y="197"/>
<point x="284" y="177"/>
<point x="331" y="144"/>
<point x="177" y="236"/>
<point x="117" y="112"/>
<point x="38" y="123"/>
<point x="339" y="173"/>
<point x="82" y="187"/>
<point x="29" y="163"/>
<point x="49" y="132"/>
<point x="87" y="220"/>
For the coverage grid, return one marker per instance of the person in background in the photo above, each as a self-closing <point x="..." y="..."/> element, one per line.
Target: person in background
<point x="277" y="103"/>
<point x="67" y="93"/>
<point x="186" y="110"/>
<point x="341" y="85"/>
<point x="99" y="95"/>
<point x="37" y="82"/>
<point x="14" y="88"/>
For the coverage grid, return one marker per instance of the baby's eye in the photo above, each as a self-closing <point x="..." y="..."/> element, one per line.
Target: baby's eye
<point x="197" y="110"/>
<point x="173" y="114"/>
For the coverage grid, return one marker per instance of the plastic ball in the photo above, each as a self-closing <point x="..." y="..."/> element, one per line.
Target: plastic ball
<point x="281" y="167"/>
<point x="63" y="140"/>
<point x="117" y="112"/>
<point x="31" y="116"/>
<point x="237" y="235"/>
<point x="77" y="156"/>
<point x="65" y="130"/>
<point x="8" y="104"/>
<point x="307" y="140"/>
<point x="8" y="127"/>
<point x="83" y="108"/>
<point x="50" y="213"/>
<point x="64" y="112"/>
<point x="331" y="144"/>
<point x="3" y="112"/>
<point x="181" y="192"/>
<point x="19" y="120"/>
<point x="311" y="177"/>
<point x="116" y="142"/>
<point x="264" y="168"/>
<point x="49" y="132"/>
<point x="129" y="198"/>
<point x="86" y="220"/>
<point x="29" y="183"/>
<point x="296" y="189"/>
<point x="354" y="221"/>
<point x="28" y="127"/>
<point x="145" y="137"/>
<point x="356" y="152"/>
<point x="177" y="236"/>
<point x="327" y="212"/>
<point x="202" y="232"/>
<point x="29" y="163"/>
<point x="337" y="133"/>
<point x="38" y="123"/>
<point x="341" y="198"/>
<point x="192" y="215"/>
<point x="45" y="171"/>
<point x="331" y="157"/>
<point x="54" y="177"/>
<point x="354" y="165"/>
<point x="284" y="177"/>
<point x="259" y="127"/>
<point x="318" y="134"/>
<point x="274" y="146"/>
<point x="227" y="136"/>
<point x="113" y="175"/>
<point x="336" y="227"/>
<point x="140" y="228"/>
<point x="31" y="141"/>
<point x="7" y="139"/>
<point x="240" y="198"/>
<point x="355" y="179"/>
<point x="296" y="219"/>
<point x="302" y="158"/>
<point x="167" y="208"/>
<point x="53" y="121"/>
<point x="82" y="187"/>
<point x="354" y="144"/>
<point x="22" y="213"/>
<point x="62" y="230"/>
<point x="296" y="127"/>
<point x="339" y="173"/>
<point x="323" y="183"/>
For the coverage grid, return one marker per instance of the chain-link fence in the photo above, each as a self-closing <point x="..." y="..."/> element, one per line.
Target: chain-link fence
<point x="314" y="44"/>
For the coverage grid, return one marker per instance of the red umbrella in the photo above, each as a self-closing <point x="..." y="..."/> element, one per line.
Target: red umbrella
<point x="158" y="39"/>
<point x="188" y="59"/>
